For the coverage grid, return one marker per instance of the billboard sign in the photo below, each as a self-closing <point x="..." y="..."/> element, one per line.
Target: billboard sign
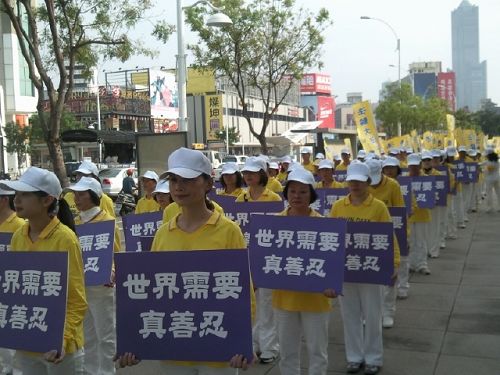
<point x="446" y="88"/>
<point x="424" y="85"/>
<point x="163" y="94"/>
<point x="315" y="83"/>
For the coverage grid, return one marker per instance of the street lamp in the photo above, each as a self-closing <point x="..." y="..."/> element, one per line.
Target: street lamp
<point x="398" y="48"/>
<point x="218" y="20"/>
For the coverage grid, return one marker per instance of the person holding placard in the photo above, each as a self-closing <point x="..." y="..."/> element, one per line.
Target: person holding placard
<point x="283" y="172"/>
<point x="231" y="180"/>
<point x="161" y="194"/>
<point x="434" y="226"/>
<point x="300" y="314"/>
<point x="264" y="334"/>
<point x="362" y="302"/>
<point x="273" y="183"/>
<point x="325" y="172"/>
<point x="147" y="203"/>
<point x="196" y="227"/>
<point x="99" y="323"/>
<point x="345" y="155"/>
<point x="50" y="227"/>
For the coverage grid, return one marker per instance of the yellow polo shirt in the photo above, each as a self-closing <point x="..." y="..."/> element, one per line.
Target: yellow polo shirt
<point x="300" y="301"/>
<point x="310" y="167"/>
<point x="146" y="204"/>
<point x="266" y="196"/>
<point x="334" y="185"/>
<point x="58" y="237"/>
<point x="341" y="167"/>
<point x="389" y="192"/>
<point x="173" y="209"/>
<point x="12" y="223"/>
<point x="274" y="185"/>
<point x="282" y="176"/>
<point x="235" y="193"/>
<point x="372" y="209"/>
<point x="107" y="204"/>
<point x="216" y="234"/>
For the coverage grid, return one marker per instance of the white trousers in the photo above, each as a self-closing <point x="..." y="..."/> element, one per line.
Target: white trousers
<point x="30" y="364"/>
<point x="418" y="246"/>
<point x="433" y="230"/>
<point x="363" y="302"/>
<point x="313" y="326"/>
<point x="6" y="360"/>
<point x="404" y="275"/>
<point x="458" y="200"/>
<point x="492" y="188"/>
<point x="466" y="196"/>
<point x="99" y="328"/>
<point x="265" y="336"/>
<point x="451" y="228"/>
<point x="166" y="368"/>
<point x="443" y="225"/>
<point x="389" y="306"/>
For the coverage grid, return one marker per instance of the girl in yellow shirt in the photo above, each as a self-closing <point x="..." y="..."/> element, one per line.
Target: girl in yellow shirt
<point x="362" y="301"/>
<point x="231" y="180"/>
<point x="147" y="203"/>
<point x="300" y="313"/>
<point x="255" y="176"/>
<point x="99" y="323"/>
<point x="325" y="172"/>
<point x="50" y="227"/>
<point x="161" y="194"/>
<point x="196" y="227"/>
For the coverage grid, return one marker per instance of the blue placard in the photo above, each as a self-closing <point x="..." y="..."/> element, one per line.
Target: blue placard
<point x="138" y="228"/>
<point x="297" y="253"/>
<point x="5" y="238"/>
<point x="340" y="176"/>
<point x="184" y="305"/>
<point x="442" y="187"/>
<point x="472" y="172"/>
<point x="369" y="253"/>
<point x="405" y="186"/>
<point x="96" y="242"/>
<point x="424" y="190"/>
<point x="400" y="225"/>
<point x="460" y="171"/>
<point x="33" y="300"/>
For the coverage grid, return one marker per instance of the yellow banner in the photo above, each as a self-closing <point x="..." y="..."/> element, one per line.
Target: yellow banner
<point x="439" y="141"/>
<point x="347" y="143"/>
<point x="428" y="140"/>
<point x="365" y="125"/>
<point x="415" y="141"/>
<point x="398" y="142"/>
<point x="470" y="139"/>
<point x="213" y="116"/>
<point x="450" y="121"/>
<point x="459" y="137"/>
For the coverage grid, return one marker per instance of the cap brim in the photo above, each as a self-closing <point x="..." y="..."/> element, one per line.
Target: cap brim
<point x="17" y="186"/>
<point x="357" y="177"/>
<point x="300" y="180"/>
<point x="251" y="169"/>
<point x="184" y="172"/>
<point x="417" y="164"/>
<point x="83" y="170"/>
<point x="229" y="171"/>
<point x="325" y="167"/>
<point x="376" y="179"/>
<point x="390" y="165"/>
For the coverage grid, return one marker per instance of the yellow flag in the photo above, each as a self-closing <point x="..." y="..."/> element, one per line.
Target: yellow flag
<point x="470" y="139"/>
<point x="329" y="148"/>
<point x="415" y="141"/>
<point x="428" y="140"/>
<point x="450" y="121"/>
<point x="347" y="143"/>
<point x="439" y="141"/>
<point x="398" y="142"/>
<point x="459" y="137"/>
<point x="365" y="125"/>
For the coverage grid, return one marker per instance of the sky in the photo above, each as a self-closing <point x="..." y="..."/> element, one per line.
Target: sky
<point x="358" y="53"/>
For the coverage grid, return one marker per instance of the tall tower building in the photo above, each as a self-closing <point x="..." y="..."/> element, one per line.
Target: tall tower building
<point x="470" y="72"/>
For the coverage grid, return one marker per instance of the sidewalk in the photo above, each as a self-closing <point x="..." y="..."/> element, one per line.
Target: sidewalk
<point x="450" y="324"/>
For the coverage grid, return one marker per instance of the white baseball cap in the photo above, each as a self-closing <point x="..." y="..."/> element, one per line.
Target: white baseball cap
<point x="87" y="167"/>
<point x="6" y="192"/>
<point x="305" y="150"/>
<point x="301" y="175"/>
<point x="152" y="175"/>
<point x="358" y="172"/>
<point x="254" y="164"/>
<point x="472" y="152"/>
<point x="426" y="155"/>
<point x="408" y="150"/>
<point x="414" y="159"/>
<point x="436" y="153"/>
<point x="451" y="151"/>
<point x="462" y="149"/>
<point x="326" y="164"/>
<point x="286" y="159"/>
<point x="361" y="154"/>
<point x="375" y="167"/>
<point x="88" y="183"/>
<point x="320" y="155"/>
<point x="188" y="163"/>
<point x="163" y="186"/>
<point x="273" y="165"/>
<point x="35" y="179"/>
<point x="293" y="166"/>
<point x="394" y="151"/>
<point x="345" y="151"/>
<point x="337" y="157"/>
<point x="390" y="161"/>
<point x="265" y="158"/>
<point x="229" y="168"/>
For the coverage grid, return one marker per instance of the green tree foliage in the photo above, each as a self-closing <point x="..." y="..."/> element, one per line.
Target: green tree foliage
<point x="412" y="111"/>
<point x="466" y="120"/>
<point x="488" y="118"/>
<point x="68" y="122"/>
<point x="59" y="34"/>
<point x="234" y="135"/>
<point x="267" y="49"/>
<point x="17" y="141"/>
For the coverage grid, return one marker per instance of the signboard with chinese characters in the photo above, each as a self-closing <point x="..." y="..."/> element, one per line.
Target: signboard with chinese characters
<point x="184" y="305"/>
<point x="405" y="186"/>
<point x="400" y="224"/>
<point x="365" y="125"/>
<point x="5" y="238"/>
<point x="446" y="88"/>
<point x="460" y="171"/>
<point x="213" y="116"/>
<point x="139" y="228"/>
<point x="297" y="253"/>
<point x="33" y="287"/>
<point x="472" y="172"/>
<point x="442" y="187"/>
<point x="340" y="176"/>
<point x="327" y="197"/>
<point x="315" y="83"/>
<point x="96" y="242"/>
<point x="424" y="190"/>
<point x="369" y="253"/>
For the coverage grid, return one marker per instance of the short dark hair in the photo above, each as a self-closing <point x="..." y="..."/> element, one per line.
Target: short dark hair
<point x="492" y="157"/>
<point x="94" y="198"/>
<point x="313" y="195"/>
<point x="264" y="178"/>
<point x="239" y="180"/>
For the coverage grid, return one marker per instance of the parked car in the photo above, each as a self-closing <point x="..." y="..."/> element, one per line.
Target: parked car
<point x="238" y="159"/>
<point x="214" y="157"/>
<point x="112" y="179"/>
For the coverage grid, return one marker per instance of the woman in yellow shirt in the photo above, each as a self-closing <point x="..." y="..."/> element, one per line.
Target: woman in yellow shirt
<point x="99" y="323"/>
<point x="300" y="314"/>
<point x="325" y="172"/>
<point x="161" y="194"/>
<point x="147" y="203"/>
<point x="195" y="228"/>
<point x="362" y="301"/>
<point x="231" y="180"/>
<point x="273" y="183"/>
<point x="264" y="332"/>
<point x="50" y="227"/>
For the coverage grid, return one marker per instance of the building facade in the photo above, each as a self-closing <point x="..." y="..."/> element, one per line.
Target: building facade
<point x="471" y="79"/>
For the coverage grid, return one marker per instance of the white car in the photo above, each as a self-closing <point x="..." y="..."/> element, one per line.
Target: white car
<point x="238" y="159"/>
<point x="112" y="179"/>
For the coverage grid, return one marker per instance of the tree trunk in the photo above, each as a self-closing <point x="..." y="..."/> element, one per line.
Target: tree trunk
<point x="56" y="156"/>
<point x="263" y="144"/>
